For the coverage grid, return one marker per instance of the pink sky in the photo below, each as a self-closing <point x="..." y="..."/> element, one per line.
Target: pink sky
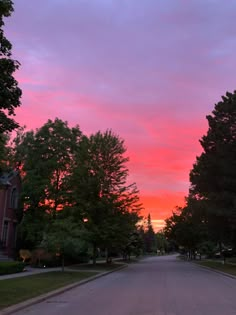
<point x="149" y="70"/>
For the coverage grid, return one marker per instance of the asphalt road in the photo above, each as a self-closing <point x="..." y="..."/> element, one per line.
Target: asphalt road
<point x="154" y="286"/>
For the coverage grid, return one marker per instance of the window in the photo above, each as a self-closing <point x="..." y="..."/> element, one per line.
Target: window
<point x="14" y="199"/>
<point x="14" y="234"/>
<point x="4" y="233"/>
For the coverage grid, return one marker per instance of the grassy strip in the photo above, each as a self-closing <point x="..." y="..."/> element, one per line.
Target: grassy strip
<point x="99" y="266"/>
<point x="131" y="261"/>
<point x="230" y="269"/>
<point x="231" y="260"/>
<point x="16" y="290"/>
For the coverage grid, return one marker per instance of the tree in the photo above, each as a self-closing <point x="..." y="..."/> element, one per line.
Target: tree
<point x="45" y="158"/>
<point x="10" y="93"/>
<point x="4" y="152"/>
<point x="186" y="228"/>
<point x="64" y="237"/>
<point x="213" y="177"/>
<point x="162" y="243"/>
<point x="100" y="193"/>
<point x="149" y="237"/>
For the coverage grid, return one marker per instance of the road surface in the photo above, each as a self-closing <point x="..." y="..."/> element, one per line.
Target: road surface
<point x="154" y="286"/>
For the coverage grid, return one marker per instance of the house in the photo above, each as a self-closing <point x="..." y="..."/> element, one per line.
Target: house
<point x="10" y="187"/>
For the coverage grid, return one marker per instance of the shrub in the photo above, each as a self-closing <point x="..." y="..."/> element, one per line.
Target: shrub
<point x="50" y="262"/>
<point x="24" y="254"/>
<point x="9" y="267"/>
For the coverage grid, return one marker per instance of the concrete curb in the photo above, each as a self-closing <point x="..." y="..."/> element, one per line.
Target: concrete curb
<point x="17" y="307"/>
<point x="215" y="270"/>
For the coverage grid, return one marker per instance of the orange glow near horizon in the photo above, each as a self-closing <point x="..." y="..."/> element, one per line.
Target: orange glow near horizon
<point x="161" y="206"/>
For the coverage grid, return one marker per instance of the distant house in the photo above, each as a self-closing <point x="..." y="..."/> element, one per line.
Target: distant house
<point x="10" y="186"/>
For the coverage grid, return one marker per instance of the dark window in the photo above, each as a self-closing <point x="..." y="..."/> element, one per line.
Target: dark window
<point x="14" y="234"/>
<point x="4" y="233"/>
<point x="14" y="199"/>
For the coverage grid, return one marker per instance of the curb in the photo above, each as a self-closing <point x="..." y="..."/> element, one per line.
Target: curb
<point x="215" y="270"/>
<point x="20" y="306"/>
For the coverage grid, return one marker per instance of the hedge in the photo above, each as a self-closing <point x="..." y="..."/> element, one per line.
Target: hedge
<point x="8" y="267"/>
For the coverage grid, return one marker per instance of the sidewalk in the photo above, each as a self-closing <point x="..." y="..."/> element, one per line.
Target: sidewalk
<point x="28" y="272"/>
<point x="33" y="271"/>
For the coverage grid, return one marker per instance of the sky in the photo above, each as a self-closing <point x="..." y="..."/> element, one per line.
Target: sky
<point x="149" y="70"/>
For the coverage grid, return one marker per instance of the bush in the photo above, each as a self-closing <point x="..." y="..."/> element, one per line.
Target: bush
<point x="79" y="259"/>
<point x="25" y="254"/>
<point x="50" y="262"/>
<point x="9" y="267"/>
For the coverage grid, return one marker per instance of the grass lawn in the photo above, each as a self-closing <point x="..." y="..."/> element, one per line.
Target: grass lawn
<point x="16" y="290"/>
<point x="131" y="261"/>
<point x="231" y="260"/>
<point x="219" y="266"/>
<point x="101" y="266"/>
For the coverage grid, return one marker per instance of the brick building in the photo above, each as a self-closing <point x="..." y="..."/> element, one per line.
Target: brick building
<point x="10" y="186"/>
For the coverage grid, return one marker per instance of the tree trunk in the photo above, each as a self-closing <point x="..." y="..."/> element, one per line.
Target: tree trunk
<point x="94" y="254"/>
<point x="108" y="259"/>
<point x="220" y="247"/>
<point x="107" y="256"/>
<point x="62" y="263"/>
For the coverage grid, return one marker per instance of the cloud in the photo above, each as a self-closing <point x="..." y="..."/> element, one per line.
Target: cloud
<point x="161" y="204"/>
<point x="149" y="70"/>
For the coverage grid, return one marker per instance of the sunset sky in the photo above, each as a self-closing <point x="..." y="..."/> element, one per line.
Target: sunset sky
<point x="150" y="70"/>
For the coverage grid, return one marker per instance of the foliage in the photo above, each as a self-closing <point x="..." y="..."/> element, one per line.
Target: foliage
<point x="45" y="158"/>
<point x="213" y="177"/>
<point x="100" y="193"/>
<point x="10" y="93"/>
<point x="149" y="237"/>
<point x="10" y="267"/>
<point x="133" y="246"/>
<point x="209" y="218"/>
<point x="162" y="243"/>
<point x="186" y="228"/>
<point x="24" y="254"/>
<point x="75" y="192"/>
<point x="3" y="152"/>
<point x="64" y="238"/>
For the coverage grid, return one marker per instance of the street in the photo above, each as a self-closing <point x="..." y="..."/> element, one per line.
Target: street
<point x="154" y="286"/>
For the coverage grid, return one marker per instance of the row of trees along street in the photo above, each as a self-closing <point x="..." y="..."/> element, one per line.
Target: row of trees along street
<point x="75" y="190"/>
<point x="207" y="223"/>
<point x="75" y="199"/>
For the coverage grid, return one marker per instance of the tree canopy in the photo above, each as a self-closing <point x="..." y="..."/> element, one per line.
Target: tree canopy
<point x="82" y="177"/>
<point x="10" y="93"/>
<point x="100" y="191"/>
<point x="210" y="212"/>
<point x="213" y="177"/>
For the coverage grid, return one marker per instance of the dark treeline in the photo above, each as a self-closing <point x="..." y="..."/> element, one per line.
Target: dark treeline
<point x="207" y="223"/>
<point x="75" y="195"/>
<point x="75" y="200"/>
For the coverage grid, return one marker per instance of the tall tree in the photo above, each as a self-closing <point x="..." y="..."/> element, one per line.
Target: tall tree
<point x="100" y="192"/>
<point x="149" y="237"/>
<point x="10" y="93"/>
<point x="64" y="237"/>
<point x="213" y="177"/>
<point x="186" y="229"/>
<point x="4" y="152"/>
<point x="45" y="158"/>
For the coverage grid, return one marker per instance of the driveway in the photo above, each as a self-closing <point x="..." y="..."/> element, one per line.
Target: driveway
<point x="154" y="286"/>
